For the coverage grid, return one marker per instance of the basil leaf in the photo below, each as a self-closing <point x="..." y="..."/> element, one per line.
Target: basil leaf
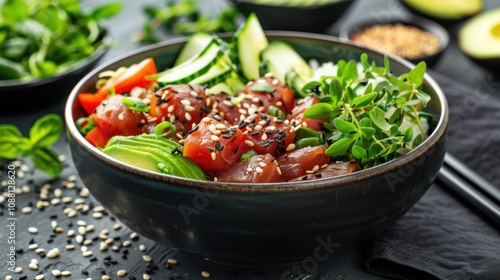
<point x="12" y="143"/>
<point x="47" y="160"/>
<point x="339" y="147"/>
<point x="46" y="130"/>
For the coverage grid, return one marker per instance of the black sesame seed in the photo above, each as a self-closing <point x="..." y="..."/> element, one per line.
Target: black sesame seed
<point x="158" y="102"/>
<point x="304" y="178"/>
<point x="218" y="146"/>
<point x="210" y="149"/>
<point x="236" y="150"/>
<point x="255" y="133"/>
<point x="85" y="272"/>
<point x="318" y="175"/>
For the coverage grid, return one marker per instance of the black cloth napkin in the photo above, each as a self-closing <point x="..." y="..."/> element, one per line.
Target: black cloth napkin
<point x="442" y="236"/>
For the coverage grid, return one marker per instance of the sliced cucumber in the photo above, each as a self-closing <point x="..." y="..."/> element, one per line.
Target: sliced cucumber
<point x="194" y="67"/>
<point x="249" y="41"/>
<point x="231" y="85"/>
<point x="196" y="43"/>
<point x="217" y="73"/>
<point x="287" y="65"/>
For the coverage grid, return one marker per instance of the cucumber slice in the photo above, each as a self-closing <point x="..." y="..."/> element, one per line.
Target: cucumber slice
<point x="216" y="74"/>
<point x="196" y="43"/>
<point x="281" y="58"/>
<point x="232" y="85"/>
<point x="249" y="41"/>
<point x="287" y="65"/>
<point x="194" y="67"/>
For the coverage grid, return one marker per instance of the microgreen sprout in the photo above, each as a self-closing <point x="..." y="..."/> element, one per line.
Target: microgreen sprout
<point x="366" y="111"/>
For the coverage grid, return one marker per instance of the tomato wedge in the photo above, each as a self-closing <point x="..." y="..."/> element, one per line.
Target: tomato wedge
<point x="135" y="76"/>
<point x="98" y="138"/>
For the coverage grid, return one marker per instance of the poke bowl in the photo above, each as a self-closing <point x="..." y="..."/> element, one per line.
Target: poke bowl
<point x="240" y="220"/>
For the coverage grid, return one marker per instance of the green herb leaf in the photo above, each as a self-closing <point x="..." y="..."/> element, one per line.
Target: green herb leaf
<point x="408" y="134"/>
<point x="416" y="75"/>
<point x="135" y="104"/>
<point x="14" y="11"/>
<point x="307" y="142"/>
<point x="350" y="71"/>
<point x="275" y="111"/>
<point x="368" y="132"/>
<point x="344" y="126"/>
<point x="335" y="91"/>
<point x="11" y="142"/>
<point x="321" y="111"/>
<point x="423" y="97"/>
<point x="377" y="117"/>
<point x="46" y="130"/>
<point x="358" y="152"/>
<point x="339" y="147"/>
<point x="47" y="160"/>
<point x="363" y="100"/>
<point x="106" y="11"/>
<point x="246" y="156"/>
<point x="261" y="87"/>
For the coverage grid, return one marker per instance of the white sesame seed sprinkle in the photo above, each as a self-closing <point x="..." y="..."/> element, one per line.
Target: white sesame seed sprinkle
<point x="26" y="210"/>
<point x="146" y="258"/>
<point x="121" y="272"/>
<point x="32" y="230"/>
<point x="18" y="270"/>
<point x="66" y="273"/>
<point x="56" y="273"/>
<point x="39" y="277"/>
<point x="33" y="246"/>
<point x="33" y="266"/>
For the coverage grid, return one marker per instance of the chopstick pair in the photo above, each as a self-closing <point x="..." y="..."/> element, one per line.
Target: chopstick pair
<point x="471" y="186"/>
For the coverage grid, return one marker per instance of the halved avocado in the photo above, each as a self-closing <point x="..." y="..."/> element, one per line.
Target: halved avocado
<point x="445" y="10"/>
<point x="479" y="38"/>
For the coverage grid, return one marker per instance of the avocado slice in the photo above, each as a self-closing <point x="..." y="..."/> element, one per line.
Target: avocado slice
<point x="153" y="153"/>
<point x="479" y="39"/>
<point x="447" y="10"/>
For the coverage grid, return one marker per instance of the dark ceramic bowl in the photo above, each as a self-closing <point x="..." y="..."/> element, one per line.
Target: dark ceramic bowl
<point x="310" y="18"/>
<point x="259" y="223"/>
<point x="347" y="31"/>
<point x="41" y="92"/>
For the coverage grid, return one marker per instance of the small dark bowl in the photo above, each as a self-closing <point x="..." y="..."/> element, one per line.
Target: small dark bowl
<point x="346" y="32"/>
<point x="309" y="18"/>
<point x="42" y="92"/>
<point x="254" y="223"/>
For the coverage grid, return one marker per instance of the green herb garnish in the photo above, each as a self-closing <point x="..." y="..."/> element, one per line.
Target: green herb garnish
<point x="42" y="135"/>
<point x="366" y="111"/>
<point x="42" y="38"/>
<point x="135" y="104"/>
<point x="184" y="17"/>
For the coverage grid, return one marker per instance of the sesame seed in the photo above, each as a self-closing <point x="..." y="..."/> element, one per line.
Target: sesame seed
<point x="142" y="248"/>
<point x="105" y="277"/>
<point x="18" y="270"/>
<point x="146" y="276"/>
<point x="121" y="272"/>
<point x="117" y="226"/>
<point x="39" y="277"/>
<point x="8" y="277"/>
<point x="126" y="243"/>
<point x="249" y="143"/>
<point x="146" y="258"/>
<point x="40" y="250"/>
<point x="214" y="138"/>
<point x="185" y="102"/>
<point x="87" y="253"/>
<point x="65" y="273"/>
<point x="103" y="246"/>
<point x="290" y="147"/>
<point x="33" y="230"/>
<point x="259" y="170"/>
<point x="33" y="266"/>
<point x="205" y="274"/>
<point x="99" y="209"/>
<point x="26" y="210"/>
<point x="70" y="247"/>
<point x="172" y="261"/>
<point x="79" y="239"/>
<point x="189" y="108"/>
<point x="213" y="155"/>
<point x="97" y="215"/>
<point x="278" y="170"/>
<point x="70" y="233"/>
<point x="56" y="273"/>
<point x="54" y="253"/>
<point x="33" y="246"/>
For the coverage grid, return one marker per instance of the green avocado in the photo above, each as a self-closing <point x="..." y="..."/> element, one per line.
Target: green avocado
<point x="153" y="153"/>
<point x="446" y="9"/>
<point x="479" y="38"/>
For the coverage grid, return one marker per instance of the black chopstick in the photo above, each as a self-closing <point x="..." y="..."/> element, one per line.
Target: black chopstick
<point x="471" y="186"/>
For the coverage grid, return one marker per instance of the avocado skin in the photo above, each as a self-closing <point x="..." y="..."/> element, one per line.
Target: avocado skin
<point x="441" y="20"/>
<point x="148" y="151"/>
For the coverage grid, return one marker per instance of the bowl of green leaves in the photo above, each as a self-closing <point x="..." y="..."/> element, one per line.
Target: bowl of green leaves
<point x="46" y="46"/>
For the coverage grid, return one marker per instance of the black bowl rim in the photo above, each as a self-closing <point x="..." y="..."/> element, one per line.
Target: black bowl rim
<point x="436" y="29"/>
<point x="294" y="7"/>
<point x="338" y="181"/>
<point x="16" y="84"/>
